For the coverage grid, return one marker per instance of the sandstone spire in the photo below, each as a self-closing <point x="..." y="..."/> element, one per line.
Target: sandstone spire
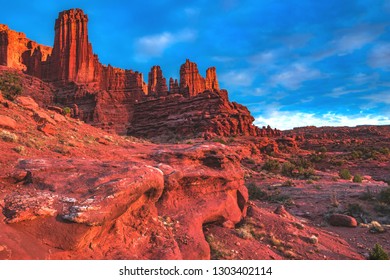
<point x="211" y="79"/>
<point x="157" y="84"/>
<point x="191" y="82"/>
<point x="72" y="58"/>
<point x="173" y="86"/>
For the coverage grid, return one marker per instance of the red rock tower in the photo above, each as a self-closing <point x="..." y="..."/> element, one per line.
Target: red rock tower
<point x="211" y="79"/>
<point x="157" y="84"/>
<point x="191" y="82"/>
<point x="72" y="58"/>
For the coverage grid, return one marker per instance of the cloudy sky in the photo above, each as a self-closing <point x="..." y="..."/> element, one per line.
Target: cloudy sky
<point x="291" y="62"/>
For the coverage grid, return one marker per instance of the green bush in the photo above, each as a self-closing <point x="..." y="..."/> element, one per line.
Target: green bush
<point x="378" y="253"/>
<point x="10" y="85"/>
<point x="357" y="179"/>
<point x="272" y="165"/>
<point x="345" y="174"/>
<point x="288" y="169"/>
<point x="219" y="140"/>
<point x="255" y="193"/>
<point x="66" y="111"/>
<point x="384" y="196"/>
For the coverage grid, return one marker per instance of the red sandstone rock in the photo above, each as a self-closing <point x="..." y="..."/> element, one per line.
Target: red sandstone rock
<point x="7" y="122"/>
<point x="211" y="79"/>
<point x="27" y="102"/>
<point x="173" y="86"/>
<point x="208" y="114"/>
<point x="342" y="220"/>
<point x="72" y="58"/>
<point x="210" y="173"/>
<point x="191" y="82"/>
<point x="18" y="52"/>
<point x="157" y="84"/>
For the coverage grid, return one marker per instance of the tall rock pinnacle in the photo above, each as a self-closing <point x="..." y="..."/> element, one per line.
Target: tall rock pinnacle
<point x="191" y="82"/>
<point x="211" y="79"/>
<point x="157" y="84"/>
<point x="72" y="53"/>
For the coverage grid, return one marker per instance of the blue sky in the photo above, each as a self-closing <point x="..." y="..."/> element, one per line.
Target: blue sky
<point x="291" y="62"/>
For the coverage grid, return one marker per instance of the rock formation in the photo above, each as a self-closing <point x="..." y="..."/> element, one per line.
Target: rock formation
<point x="173" y="86"/>
<point x="191" y="82"/>
<point x="18" y="52"/>
<point x="157" y="84"/>
<point x="72" y="58"/>
<point x="207" y="114"/>
<point x="119" y="100"/>
<point x="211" y="79"/>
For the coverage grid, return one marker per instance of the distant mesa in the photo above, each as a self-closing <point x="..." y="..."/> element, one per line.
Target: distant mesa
<point x="119" y="100"/>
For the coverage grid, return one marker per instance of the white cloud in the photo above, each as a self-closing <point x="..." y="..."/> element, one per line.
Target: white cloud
<point x="380" y="56"/>
<point x="379" y="98"/>
<point x="341" y="91"/>
<point x="354" y="41"/>
<point x="155" y="45"/>
<point x="263" y="58"/>
<point x="288" y="120"/>
<point x="237" y="78"/>
<point x="349" y="40"/>
<point x="294" y="76"/>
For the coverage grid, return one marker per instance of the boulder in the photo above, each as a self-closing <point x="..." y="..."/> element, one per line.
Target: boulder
<point x="341" y="220"/>
<point x="7" y="123"/>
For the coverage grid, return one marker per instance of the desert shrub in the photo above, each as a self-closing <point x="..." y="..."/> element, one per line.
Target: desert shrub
<point x="382" y="208"/>
<point x="345" y="174"/>
<point x="8" y="136"/>
<point x="384" y="151"/>
<point x="378" y="253"/>
<point x="384" y="196"/>
<point x="219" y="140"/>
<point x="250" y="160"/>
<point x="357" y="178"/>
<point x="367" y="195"/>
<point x="288" y="183"/>
<point x="255" y="193"/>
<point x="323" y="149"/>
<point x="355" y="209"/>
<point x="272" y="165"/>
<point x="288" y="169"/>
<point x="10" y="85"/>
<point x="307" y="173"/>
<point x="19" y="149"/>
<point x="66" y="111"/>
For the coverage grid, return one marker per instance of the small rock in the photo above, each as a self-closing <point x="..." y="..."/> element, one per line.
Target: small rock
<point x="376" y="227"/>
<point x="47" y="128"/>
<point x="341" y="220"/>
<point x="281" y="211"/>
<point x="228" y="224"/>
<point x="313" y="239"/>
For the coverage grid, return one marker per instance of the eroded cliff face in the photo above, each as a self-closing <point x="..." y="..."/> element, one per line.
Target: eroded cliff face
<point x="119" y="100"/>
<point x="19" y="52"/>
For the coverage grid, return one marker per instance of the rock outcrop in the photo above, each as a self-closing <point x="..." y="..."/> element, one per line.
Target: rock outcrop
<point x="207" y="115"/>
<point x="18" y="52"/>
<point x="192" y="83"/>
